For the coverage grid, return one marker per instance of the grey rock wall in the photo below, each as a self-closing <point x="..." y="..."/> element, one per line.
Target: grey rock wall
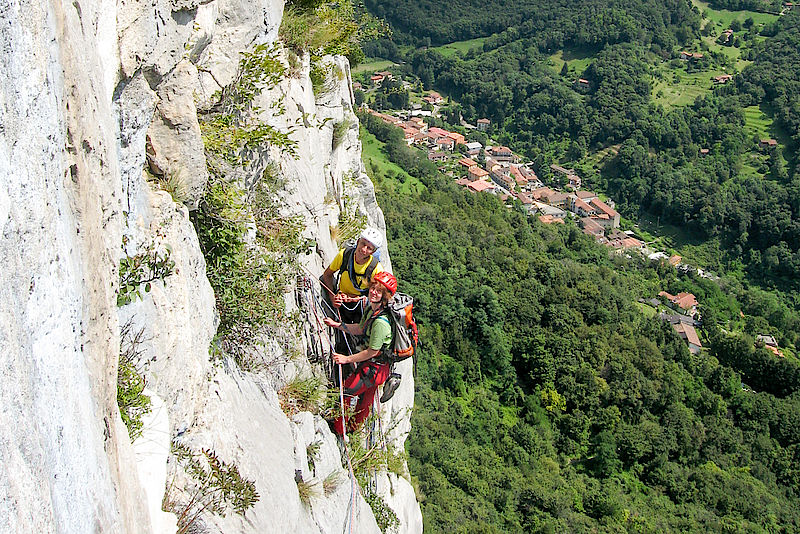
<point x="95" y="95"/>
<point x="65" y="453"/>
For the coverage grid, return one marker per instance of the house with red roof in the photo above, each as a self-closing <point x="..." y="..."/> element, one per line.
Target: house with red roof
<point x="524" y="198"/>
<point x="767" y="143"/>
<point x="689" y="335"/>
<point x="433" y="98"/>
<point x="684" y="302"/>
<point x="436" y="132"/>
<point x="483" y="124"/>
<point x="691" y="56"/>
<point x="541" y="193"/>
<point x="481" y="186"/>
<point x="586" y="196"/>
<point x="590" y="227"/>
<point x="502" y="154"/>
<point x="558" y="199"/>
<point x="457" y="138"/>
<point x="435" y="155"/>
<point x="502" y="177"/>
<point x="579" y="207"/>
<point x="444" y="143"/>
<point x="549" y="219"/>
<point x="476" y="173"/>
<point x="605" y="209"/>
<point x="467" y="163"/>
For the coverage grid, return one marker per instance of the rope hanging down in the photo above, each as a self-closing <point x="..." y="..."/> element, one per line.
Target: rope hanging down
<point x="312" y="302"/>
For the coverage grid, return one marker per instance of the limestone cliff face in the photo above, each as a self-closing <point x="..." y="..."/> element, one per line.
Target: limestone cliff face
<point x="93" y="94"/>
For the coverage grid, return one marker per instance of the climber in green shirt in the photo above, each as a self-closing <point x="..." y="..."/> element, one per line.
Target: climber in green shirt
<point x="373" y="368"/>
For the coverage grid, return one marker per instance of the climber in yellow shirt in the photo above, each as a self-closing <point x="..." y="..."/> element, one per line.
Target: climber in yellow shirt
<point x="356" y="267"/>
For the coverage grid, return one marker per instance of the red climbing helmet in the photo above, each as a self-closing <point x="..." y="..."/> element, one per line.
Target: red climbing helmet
<point x="388" y="281"/>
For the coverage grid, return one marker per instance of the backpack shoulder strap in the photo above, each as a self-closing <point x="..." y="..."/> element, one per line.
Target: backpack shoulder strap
<point x="351" y="270"/>
<point x="347" y="259"/>
<point x="373" y="262"/>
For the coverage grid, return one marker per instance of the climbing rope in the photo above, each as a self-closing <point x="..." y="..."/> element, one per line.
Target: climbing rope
<point x="308" y="284"/>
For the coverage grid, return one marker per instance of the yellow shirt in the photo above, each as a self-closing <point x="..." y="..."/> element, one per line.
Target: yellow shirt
<point x="345" y="284"/>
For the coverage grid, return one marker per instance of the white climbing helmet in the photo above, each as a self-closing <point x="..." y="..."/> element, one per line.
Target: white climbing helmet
<point x="373" y="236"/>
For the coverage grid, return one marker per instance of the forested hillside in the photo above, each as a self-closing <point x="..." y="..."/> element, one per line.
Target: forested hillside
<point x="547" y="401"/>
<point x="697" y="165"/>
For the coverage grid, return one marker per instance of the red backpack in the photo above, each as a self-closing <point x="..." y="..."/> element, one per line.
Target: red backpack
<point x="405" y="334"/>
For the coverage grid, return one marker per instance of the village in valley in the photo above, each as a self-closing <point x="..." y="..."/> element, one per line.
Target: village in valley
<point x="492" y="168"/>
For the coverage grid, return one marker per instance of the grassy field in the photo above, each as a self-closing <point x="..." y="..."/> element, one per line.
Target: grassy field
<point x="668" y="236"/>
<point x="677" y="88"/>
<point x="372" y="65"/>
<point x="576" y="59"/>
<point x="723" y="17"/>
<point x="757" y="122"/>
<point x="377" y="164"/>
<point x="460" y="46"/>
<point x="648" y="311"/>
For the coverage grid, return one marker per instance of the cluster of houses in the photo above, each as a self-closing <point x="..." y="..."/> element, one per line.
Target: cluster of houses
<point x="686" y="319"/>
<point x="502" y="173"/>
<point x="438" y="141"/>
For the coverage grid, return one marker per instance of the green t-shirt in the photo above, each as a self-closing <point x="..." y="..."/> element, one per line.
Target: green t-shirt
<point x="379" y="333"/>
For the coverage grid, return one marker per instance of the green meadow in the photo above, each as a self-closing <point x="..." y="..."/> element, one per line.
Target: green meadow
<point x="677" y="88"/>
<point x="460" y="47"/>
<point x="724" y="17"/>
<point x="381" y="169"/>
<point x="576" y="59"/>
<point x="372" y="65"/>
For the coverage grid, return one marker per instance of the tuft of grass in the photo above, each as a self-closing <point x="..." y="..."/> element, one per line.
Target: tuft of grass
<point x="302" y="395"/>
<point x="307" y="490"/>
<point x="331" y="482"/>
<point x="172" y="182"/>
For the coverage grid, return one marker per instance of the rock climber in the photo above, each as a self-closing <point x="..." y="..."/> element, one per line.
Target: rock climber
<point x="356" y="265"/>
<point x="373" y="365"/>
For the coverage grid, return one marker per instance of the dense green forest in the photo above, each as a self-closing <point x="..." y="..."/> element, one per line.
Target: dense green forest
<point x="547" y="402"/>
<point x="744" y="201"/>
